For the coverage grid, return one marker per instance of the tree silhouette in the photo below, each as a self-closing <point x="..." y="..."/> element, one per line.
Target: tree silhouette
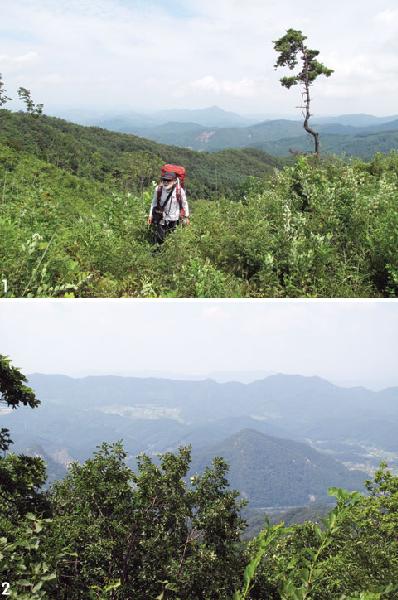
<point x="33" y="109"/>
<point x="3" y="93"/>
<point x="13" y="392"/>
<point x="292" y="50"/>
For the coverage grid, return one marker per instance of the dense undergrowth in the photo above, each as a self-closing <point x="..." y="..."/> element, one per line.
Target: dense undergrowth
<point x="327" y="229"/>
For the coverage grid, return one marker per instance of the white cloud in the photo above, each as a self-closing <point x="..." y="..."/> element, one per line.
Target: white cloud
<point x="117" y="52"/>
<point x="389" y="16"/>
<point x="8" y="61"/>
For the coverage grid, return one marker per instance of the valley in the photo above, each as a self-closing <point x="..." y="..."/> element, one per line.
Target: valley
<point x="286" y="438"/>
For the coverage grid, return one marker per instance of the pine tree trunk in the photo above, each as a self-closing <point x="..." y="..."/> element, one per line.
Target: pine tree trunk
<point x="307" y="101"/>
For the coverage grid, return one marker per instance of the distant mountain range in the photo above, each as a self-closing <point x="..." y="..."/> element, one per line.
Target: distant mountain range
<point x="213" y="129"/>
<point x="212" y="116"/>
<point x="356" y="120"/>
<point x="299" y="417"/>
<point x="208" y="117"/>
<point x="278" y="137"/>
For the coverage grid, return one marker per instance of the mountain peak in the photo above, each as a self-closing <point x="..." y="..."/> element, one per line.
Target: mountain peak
<point x="216" y="108"/>
<point x="272" y="471"/>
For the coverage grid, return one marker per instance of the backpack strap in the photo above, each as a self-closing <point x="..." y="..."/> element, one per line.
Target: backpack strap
<point x="161" y="208"/>
<point x="159" y="195"/>
<point x="179" y="199"/>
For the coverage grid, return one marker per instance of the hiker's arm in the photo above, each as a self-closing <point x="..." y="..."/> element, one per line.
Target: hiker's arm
<point x="154" y="201"/>
<point x="184" y="202"/>
<point x="153" y="204"/>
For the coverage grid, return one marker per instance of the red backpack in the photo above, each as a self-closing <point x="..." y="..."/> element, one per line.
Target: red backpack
<point x="180" y="172"/>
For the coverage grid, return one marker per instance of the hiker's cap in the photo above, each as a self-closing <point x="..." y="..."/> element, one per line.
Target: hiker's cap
<point x="169" y="176"/>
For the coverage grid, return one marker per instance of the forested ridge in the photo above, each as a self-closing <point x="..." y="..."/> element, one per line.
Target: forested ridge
<point x="126" y="161"/>
<point x="75" y="201"/>
<point x="107" y="532"/>
<point x="277" y="137"/>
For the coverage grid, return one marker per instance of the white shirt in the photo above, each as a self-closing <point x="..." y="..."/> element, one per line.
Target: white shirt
<point x="171" y="209"/>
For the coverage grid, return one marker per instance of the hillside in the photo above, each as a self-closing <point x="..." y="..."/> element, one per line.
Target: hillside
<point x="125" y="160"/>
<point x="362" y="145"/>
<point x="269" y="471"/>
<point x="256" y="517"/>
<point x="75" y="202"/>
<point x="213" y="139"/>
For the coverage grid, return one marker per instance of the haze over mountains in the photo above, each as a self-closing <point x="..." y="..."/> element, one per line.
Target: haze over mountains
<point x="213" y="129"/>
<point x="212" y="116"/>
<point x="290" y="431"/>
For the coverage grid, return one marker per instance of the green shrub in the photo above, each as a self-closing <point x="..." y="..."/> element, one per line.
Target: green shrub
<point x="315" y="229"/>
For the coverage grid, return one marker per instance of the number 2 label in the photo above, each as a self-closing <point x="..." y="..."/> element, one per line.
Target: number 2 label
<point x="5" y="586"/>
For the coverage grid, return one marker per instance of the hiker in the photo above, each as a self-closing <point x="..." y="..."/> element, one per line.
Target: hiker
<point x="169" y="204"/>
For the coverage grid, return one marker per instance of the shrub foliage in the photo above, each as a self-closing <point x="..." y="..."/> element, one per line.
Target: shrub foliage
<point x="313" y="229"/>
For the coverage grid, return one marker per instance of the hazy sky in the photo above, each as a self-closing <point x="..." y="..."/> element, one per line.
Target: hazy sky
<point x="350" y="342"/>
<point x="149" y="54"/>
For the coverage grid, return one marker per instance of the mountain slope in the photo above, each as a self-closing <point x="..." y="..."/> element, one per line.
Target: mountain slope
<point x="363" y="145"/>
<point x="274" y="136"/>
<point x="216" y="139"/>
<point x="119" y="158"/>
<point x="213" y="116"/>
<point x="269" y="471"/>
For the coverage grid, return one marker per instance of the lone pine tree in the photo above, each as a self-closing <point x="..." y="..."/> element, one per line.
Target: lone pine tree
<point x="292" y="50"/>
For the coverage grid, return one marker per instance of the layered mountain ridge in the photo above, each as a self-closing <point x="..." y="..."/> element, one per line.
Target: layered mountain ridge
<point x="213" y="129"/>
<point x="298" y="418"/>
